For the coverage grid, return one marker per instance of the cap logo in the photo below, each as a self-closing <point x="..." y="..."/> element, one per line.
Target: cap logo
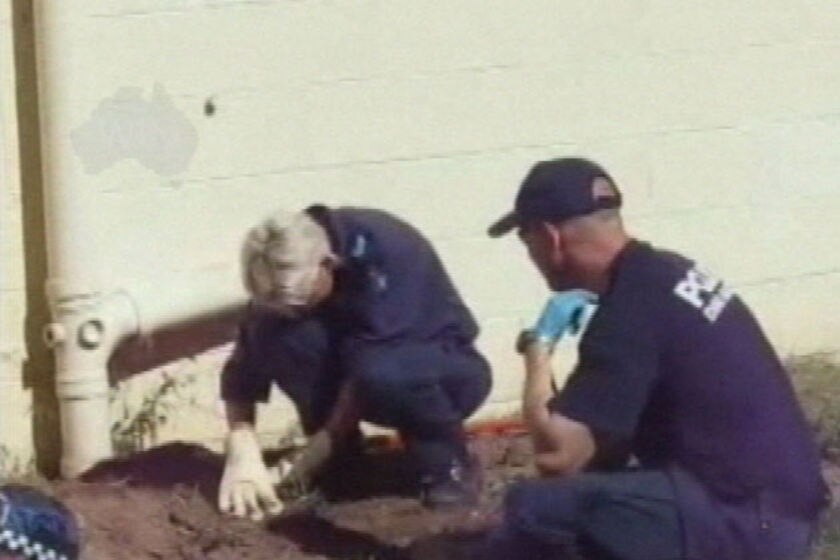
<point x="603" y="189"/>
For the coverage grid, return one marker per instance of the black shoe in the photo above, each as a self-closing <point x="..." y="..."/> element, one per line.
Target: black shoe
<point x="454" y="487"/>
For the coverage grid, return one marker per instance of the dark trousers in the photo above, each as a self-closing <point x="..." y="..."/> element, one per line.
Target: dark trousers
<point x="627" y="515"/>
<point x="641" y="515"/>
<point x="424" y="389"/>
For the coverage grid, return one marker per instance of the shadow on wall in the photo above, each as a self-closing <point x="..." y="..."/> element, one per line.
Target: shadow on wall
<point x="165" y="345"/>
<point x="38" y="369"/>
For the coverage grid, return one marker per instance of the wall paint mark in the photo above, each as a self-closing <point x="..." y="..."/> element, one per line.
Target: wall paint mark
<point x="209" y="107"/>
<point x="127" y="126"/>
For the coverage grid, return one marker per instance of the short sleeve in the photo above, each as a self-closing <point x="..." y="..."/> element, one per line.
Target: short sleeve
<point x="617" y="369"/>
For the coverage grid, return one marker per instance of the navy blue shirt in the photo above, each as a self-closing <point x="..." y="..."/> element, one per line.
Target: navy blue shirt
<point x="675" y="367"/>
<point x="391" y="284"/>
<point x="390" y="288"/>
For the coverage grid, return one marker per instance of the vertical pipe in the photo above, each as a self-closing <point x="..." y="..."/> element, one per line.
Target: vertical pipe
<point x="88" y="322"/>
<point x="70" y="222"/>
<point x="84" y="335"/>
<point x="89" y="317"/>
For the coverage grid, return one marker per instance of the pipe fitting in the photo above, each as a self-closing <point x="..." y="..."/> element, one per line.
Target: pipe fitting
<point x="84" y="333"/>
<point x="91" y="334"/>
<point x="54" y="334"/>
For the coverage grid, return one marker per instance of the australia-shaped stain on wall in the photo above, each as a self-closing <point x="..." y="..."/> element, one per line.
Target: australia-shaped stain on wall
<point x="127" y="126"/>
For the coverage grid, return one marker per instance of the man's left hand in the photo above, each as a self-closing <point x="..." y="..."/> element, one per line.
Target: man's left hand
<point x="296" y="478"/>
<point x="563" y="312"/>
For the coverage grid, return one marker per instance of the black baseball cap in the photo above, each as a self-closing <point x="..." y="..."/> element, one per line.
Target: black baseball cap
<point x="559" y="189"/>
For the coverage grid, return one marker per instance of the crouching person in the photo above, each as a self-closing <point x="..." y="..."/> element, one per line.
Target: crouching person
<point x="353" y="316"/>
<point x="673" y="371"/>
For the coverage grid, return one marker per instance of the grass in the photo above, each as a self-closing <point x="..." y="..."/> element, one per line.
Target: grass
<point x="817" y="381"/>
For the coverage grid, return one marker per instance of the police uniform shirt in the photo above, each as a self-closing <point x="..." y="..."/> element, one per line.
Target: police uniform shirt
<point x="675" y="368"/>
<point x="390" y="288"/>
<point x="391" y="284"/>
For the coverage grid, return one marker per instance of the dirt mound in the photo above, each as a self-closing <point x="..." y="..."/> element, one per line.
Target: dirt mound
<point x="160" y="504"/>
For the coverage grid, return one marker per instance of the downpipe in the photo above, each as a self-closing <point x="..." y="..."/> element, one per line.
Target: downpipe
<point x="85" y="331"/>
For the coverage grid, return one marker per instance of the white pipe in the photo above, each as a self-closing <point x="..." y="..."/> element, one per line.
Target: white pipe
<point x="87" y="324"/>
<point x="85" y="331"/>
<point x="90" y="318"/>
<point x="84" y="334"/>
<point x="71" y="218"/>
<point x="88" y="321"/>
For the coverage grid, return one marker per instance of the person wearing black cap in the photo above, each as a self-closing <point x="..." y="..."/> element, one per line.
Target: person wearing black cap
<point x="674" y="377"/>
<point x="34" y="526"/>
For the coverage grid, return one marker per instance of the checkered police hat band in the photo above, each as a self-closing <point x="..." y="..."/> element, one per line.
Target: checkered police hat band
<point x="21" y="544"/>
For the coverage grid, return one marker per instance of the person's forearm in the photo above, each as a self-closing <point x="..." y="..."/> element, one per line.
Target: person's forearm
<point x="346" y="413"/>
<point x="344" y="418"/>
<point x="537" y="392"/>
<point x="240" y="415"/>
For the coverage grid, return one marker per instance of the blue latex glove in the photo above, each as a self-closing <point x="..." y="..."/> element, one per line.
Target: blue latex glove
<point x="562" y="313"/>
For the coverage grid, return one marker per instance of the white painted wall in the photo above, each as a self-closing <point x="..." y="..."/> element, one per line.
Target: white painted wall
<point x="15" y="400"/>
<point x="720" y="120"/>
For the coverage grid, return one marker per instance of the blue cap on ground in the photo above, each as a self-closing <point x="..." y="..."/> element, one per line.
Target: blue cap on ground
<point x="35" y="526"/>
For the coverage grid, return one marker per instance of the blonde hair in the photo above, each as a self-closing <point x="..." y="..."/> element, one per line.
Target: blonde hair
<point x="281" y="257"/>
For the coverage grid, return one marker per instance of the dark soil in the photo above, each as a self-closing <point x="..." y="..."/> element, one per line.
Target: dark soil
<point x="160" y="504"/>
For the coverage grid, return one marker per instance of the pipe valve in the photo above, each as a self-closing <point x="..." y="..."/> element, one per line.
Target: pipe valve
<point x="54" y="334"/>
<point x="91" y="333"/>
